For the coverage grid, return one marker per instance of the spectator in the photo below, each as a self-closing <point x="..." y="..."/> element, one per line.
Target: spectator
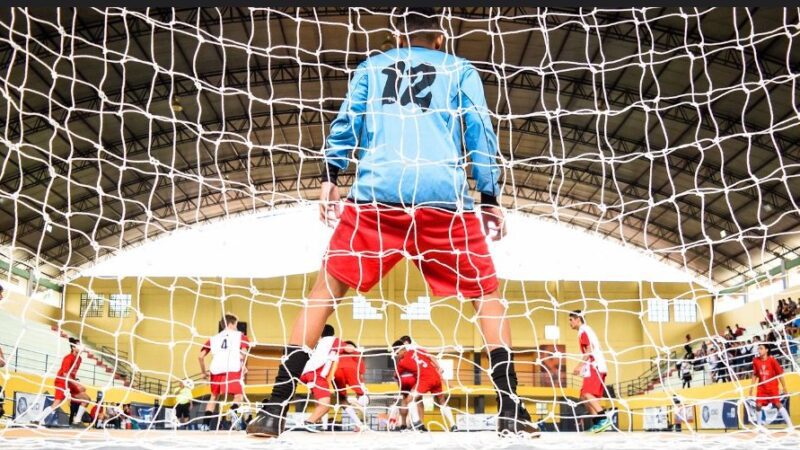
<point x="714" y="364"/>
<point x="769" y="319"/>
<point x="779" y="311"/>
<point x="729" y="335"/>
<point x="1" y="292"/>
<point x="739" y="331"/>
<point x="724" y="367"/>
<point x="792" y="307"/>
<point x="686" y="370"/>
<point x="688" y="346"/>
<point x="183" y="401"/>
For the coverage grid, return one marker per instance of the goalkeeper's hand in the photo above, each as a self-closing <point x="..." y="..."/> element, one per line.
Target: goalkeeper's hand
<point x="494" y="222"/>
<point x="329" y="209"/>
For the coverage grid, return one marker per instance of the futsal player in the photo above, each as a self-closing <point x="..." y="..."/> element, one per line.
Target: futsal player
<point x="767" y="374"/>
<point x="428" y="381"/>
<point x="417" y="121"/>
<point x="349" y="374"/>
<point x="227" y="349"/>
<point x="593" y="369"/>
<point x="318" y="371"/>
<point x="67" y="386"/>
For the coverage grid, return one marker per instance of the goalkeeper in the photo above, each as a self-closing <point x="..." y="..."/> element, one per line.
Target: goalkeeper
<point x="416" y="120"/>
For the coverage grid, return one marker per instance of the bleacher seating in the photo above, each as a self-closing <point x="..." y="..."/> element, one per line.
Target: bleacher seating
<point x="36" y="348"/>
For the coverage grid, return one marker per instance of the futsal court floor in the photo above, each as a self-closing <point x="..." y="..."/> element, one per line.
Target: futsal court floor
<point x="122" y="439"/>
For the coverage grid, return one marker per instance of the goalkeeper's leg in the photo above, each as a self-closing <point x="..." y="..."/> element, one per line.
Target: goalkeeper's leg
<point x="306" y="332"/>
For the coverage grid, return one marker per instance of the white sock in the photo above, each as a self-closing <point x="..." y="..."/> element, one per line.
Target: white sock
<point x="363" y="401"/>
<point x="447" y="413"/>
<point x="351" y="412"/>
<point x="79" y="415"/>
<point x="45" y="414"/>
<point x="413" y="412"/>
<point x="759" y="421"/>
<point x="325" y="420"/>
<point x="394" y="417"/>
<point x="785" y="415"/>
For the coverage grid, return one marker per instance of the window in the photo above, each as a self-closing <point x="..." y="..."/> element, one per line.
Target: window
<point x="685" y="311"/>
<point x="363" y="309"/>
<point x="47" y="296"/>
<point x="728" y="302"/>
<point x="92" y="305"/>
<point x="119" y="305"/>
<point x="421" y="310"/>
<point x="657" y="310"/>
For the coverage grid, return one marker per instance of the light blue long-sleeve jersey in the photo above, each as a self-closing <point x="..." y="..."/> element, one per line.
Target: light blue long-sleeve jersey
<point x="416" y="120"/>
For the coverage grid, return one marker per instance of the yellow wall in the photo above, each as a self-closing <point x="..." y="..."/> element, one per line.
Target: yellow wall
<point x="30" y="310"/>
<point x="750" y="314"/>
<point x="173" y="317"/>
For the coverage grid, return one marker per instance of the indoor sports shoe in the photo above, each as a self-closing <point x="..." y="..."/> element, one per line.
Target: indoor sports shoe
<point x="603" y="425"/>
<point x="269" y="422"/>
<point x="516" y="421"/>
<point x="418" y="426"/>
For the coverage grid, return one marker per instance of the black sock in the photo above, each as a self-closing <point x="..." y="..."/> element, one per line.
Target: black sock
<point x="207" y="418"/>
<point x="288" y="374"/>
<point x="599" y="417"/>
<point x="504" y="377"/>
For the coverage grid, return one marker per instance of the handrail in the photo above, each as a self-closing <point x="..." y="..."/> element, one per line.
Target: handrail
<point x="20" y="359"/>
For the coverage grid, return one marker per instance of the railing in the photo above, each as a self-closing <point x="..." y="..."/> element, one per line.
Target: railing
<point x="20" y="359"/>
<point x="728" y="368"/>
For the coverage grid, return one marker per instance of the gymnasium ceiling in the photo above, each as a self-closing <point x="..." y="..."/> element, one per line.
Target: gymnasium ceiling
<point x="681" y="136"/>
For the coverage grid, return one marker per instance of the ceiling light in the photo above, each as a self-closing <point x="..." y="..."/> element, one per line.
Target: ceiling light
<point x="768" y="207"/>
<point x="176" y="105"/>
<point x="723" y="234"/>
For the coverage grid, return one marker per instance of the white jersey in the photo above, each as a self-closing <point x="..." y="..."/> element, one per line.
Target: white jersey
<point x="591" y="345"/>
<point x="323" y="356"/>
<point x="225" y="349"/>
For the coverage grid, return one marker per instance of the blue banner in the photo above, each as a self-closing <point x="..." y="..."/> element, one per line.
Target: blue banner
<point x="769" y="415"/>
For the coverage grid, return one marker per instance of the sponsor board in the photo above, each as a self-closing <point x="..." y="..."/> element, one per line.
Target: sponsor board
<point x="476" y="422"/>
<point x="721" y="415"/>
<point x="769" y="415"/>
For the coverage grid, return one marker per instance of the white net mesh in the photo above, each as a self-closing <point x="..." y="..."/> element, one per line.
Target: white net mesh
<point x="194" y="141"/>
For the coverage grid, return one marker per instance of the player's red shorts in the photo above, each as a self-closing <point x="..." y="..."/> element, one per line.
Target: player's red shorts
<point x="429" y="385"/>
<point x="347" y="378"/>
<point x="449" y="248"/>
<point x="61" y="390"/>
<point x="229" y="383"/>
<point x="767" y="396"/>
<point x="317" y="384"/>
<point x="407" y="383"/>
<point x="594" y="384"/>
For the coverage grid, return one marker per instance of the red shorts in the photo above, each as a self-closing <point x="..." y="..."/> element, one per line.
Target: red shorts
<point x="317" y="384"/>
<point x="407" y="383"/>
<point x="61" y="390"/>
<point x="227" y="383"/>
<point x="766" y="397"/>
<point x="347" y="378"/>
<point x="429" y="385"/>
<point x="594" y="384"/>
<point x="448" y="248"/>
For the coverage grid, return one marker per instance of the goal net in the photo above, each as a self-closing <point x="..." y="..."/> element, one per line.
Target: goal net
<point x="162" y="168"/>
